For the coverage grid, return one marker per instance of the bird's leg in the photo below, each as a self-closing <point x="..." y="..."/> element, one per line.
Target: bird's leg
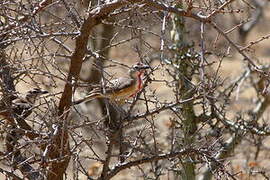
<point x="119" y="131"/>
<point x="118" y="106"/>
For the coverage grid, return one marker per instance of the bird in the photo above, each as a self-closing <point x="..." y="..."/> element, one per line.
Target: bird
<point x="22" y="107"/>
<point x="121" y="88"/>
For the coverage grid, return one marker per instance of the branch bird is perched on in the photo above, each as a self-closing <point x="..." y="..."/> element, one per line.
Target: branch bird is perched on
<point x="22" y="106"/>
<point x="121" y="88"/>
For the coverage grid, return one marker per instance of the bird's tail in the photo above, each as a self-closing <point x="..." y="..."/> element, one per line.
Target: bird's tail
<point x="89" y="98"/>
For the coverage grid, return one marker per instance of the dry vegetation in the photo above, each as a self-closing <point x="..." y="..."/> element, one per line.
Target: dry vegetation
<point x="202" y="112"/>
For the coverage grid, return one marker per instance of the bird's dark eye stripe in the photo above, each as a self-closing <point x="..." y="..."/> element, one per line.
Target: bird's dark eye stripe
<point x="36" y="91"/>
<point x="141" y="67"/>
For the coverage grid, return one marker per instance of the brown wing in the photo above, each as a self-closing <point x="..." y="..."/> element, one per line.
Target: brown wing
<point x="115" y="85"/>
<point x="116" y="89"/>
<point x="20" y="107"/>
<point x="119" y="84"/>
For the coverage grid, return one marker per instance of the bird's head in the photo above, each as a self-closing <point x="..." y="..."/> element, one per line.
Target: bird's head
<point x="138" y="69"/>
<point x="33" y="94"/>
